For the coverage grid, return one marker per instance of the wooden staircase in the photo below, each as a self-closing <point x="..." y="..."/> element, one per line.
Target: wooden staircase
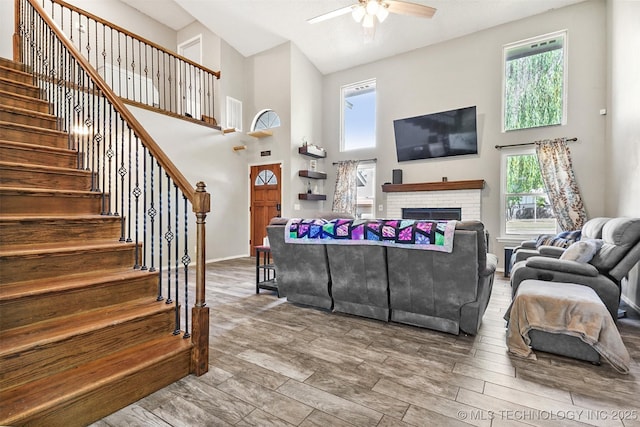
<point x="81" y="332"/>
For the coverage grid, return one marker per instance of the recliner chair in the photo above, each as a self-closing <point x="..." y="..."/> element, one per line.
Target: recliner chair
<point x="604" y="273"/>
<point x="592" y="229"/>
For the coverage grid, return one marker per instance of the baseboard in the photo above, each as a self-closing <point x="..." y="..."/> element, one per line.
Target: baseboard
<point x="630" y="303"/>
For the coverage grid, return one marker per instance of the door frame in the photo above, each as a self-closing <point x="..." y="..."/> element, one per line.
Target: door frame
<point x="249" y="210"/>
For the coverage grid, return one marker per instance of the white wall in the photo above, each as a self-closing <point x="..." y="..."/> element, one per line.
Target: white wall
<point x="204" y="154"/>
<point x="6" y="28"/>
<point x="468" y="71"/>
<point x="306" y="122"/>
<point x="623" y="133"/>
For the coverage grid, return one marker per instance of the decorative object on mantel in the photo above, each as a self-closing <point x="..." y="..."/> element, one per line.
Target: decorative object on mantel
<point x="476" y="184"/>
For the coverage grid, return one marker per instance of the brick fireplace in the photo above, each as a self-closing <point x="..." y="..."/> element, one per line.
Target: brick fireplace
<point x="466" y="195"/>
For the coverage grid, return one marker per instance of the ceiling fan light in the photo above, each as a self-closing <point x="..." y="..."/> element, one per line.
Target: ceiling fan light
<point x="368" y="21"/>
<point x="382" y="13"/>
<point x="358" y="13"/>
<point x="372" y="7"/>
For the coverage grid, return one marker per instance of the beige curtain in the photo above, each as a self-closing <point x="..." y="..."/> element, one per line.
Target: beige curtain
<point x="345" y="194"/>
<point x="557" y="173"/>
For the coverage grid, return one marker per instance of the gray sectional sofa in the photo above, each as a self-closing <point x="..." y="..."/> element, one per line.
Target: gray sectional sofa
<point x="447" y="292"/>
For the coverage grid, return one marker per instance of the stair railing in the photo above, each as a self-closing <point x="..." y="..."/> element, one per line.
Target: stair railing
<point x="137" y="180"/>
<point x="142" y="72"/>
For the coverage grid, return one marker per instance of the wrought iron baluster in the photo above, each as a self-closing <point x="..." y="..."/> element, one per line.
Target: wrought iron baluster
<point x="152" y="215"/>
<point x="160" y="297"/>
<point x="185" y="262"/>
<point x="144" y="210"/>
<point x="168" y="235"/>
<point x="122" y="171"/>
<point x="129" y="191"/>
<point x="177" y="259"/>
<point x="137" y="192"/>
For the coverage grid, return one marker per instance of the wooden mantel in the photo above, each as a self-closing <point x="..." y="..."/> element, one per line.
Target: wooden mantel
<point x="475" y="184"/>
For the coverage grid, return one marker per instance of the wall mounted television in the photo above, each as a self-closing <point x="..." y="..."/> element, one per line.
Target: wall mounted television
<point x="443" y="134"/>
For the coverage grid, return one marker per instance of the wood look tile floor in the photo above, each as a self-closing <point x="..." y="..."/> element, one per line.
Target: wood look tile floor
<point x="273" y="363"/>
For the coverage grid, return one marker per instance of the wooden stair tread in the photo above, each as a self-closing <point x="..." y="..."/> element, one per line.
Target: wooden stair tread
<point x="27" y="112"/>
<point x="43" y="168"/>
<point x="28" y="288"/>
<point x="31" y="398"/>
<point x="3" y="66"/>
<point x="27" y="146"/>
<point x="47" y="191"/>
<point x="62" y="247"/>
<point x="20" y="96"/>
<point x="35" y="129"/>
<point x="10" y="63"/>
<point x="22" y="338"/>
<point x="39" y="218"/>
<point x="17" y="83"/>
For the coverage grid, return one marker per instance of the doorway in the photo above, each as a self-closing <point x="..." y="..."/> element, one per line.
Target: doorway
<point x="265" y="200"/>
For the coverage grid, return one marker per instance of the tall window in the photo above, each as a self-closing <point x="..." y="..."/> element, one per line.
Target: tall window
<point x="535" y="82"/>
<point x="265" y="119"/>
<point x="526" y="208"/>
<point x="358" y="103"/>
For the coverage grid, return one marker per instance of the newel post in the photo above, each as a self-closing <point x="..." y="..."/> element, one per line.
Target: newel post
<point x="17" y="52"/>
<point x="200" y="312"/>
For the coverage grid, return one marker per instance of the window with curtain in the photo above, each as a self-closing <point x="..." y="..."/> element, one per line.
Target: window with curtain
<point x="526" y="209"/>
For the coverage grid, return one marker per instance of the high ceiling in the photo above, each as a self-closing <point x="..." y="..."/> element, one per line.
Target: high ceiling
<point x="252" y="26"/>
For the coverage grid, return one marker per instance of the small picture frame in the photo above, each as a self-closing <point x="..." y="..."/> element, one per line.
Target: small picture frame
<point x="313" y="165"/>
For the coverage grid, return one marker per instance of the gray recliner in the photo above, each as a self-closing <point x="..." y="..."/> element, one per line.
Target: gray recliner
<point x="604" y="273"/>
<point x="592" y="229"/>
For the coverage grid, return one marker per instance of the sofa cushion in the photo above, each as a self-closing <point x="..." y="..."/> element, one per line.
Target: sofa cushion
<point x="619" y="235"/>
<point x="582" y="251"/>
<point x="562" y="240"/>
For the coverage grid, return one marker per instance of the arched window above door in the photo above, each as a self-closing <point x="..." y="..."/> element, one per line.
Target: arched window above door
<point x="265" y="119"/>
<point x="266" y="177"/>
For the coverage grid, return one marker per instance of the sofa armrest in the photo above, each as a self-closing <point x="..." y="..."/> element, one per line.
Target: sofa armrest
<point x="490" y="266"/>
<point x="560" y="265"/>
<point x="528" y="244"/>
<point x="551" y="251"/>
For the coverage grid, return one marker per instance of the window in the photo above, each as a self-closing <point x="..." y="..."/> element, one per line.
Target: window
<point x="366" y="190"/>
<point x="234" y="114"/>
<point x="525" y="205"/>
<point x="265" y="119"/>
<point x="266" y="177"/>
<point x="358" y="108"/>
<point x="535" y="82"/>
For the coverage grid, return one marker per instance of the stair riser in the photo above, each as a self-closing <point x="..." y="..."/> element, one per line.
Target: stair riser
<point x="63" y="231"/>
<point x="11" y="64"/>
<point x="16" y="75"/>
<point x="48" y="358"/>
<point x="34" y="178"/>
<point x="26" y="103"/>
<point x="25" y="204"/>
<point x="26" y="119"/>
<point x="20" y="89"/>
<point x="42" y="137"/>
<point x="112" y="396"/>
<point x="17" y="154"/>
<point x="44" y="306"/>
<point x="47" y="265"/>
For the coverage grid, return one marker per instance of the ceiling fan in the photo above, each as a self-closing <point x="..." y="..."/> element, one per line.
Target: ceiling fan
<point x="368" y="11"/>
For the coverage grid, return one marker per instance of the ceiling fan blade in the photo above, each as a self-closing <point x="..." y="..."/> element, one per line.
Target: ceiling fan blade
<point x="329" y="15"/>
<point x="412" y="9"/>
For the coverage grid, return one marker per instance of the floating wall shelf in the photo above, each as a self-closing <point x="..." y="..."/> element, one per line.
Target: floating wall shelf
<point x="260" y="133"/>
<point x="308" y="196"/>
<point x="312" y="174"/>
<point x="312" y="151"/>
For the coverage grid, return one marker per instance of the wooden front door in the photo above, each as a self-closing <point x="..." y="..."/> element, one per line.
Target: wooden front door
<point x="265" y="200"/>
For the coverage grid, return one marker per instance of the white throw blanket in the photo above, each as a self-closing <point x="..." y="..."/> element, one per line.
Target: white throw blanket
<point x="564" y="308"/>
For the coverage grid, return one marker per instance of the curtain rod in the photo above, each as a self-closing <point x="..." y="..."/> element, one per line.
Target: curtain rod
<point x="499" y="147"/>
<point x="363" y="160"/>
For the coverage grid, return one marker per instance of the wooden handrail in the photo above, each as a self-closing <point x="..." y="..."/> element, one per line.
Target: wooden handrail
<point x="133" y="35"/>
<point x="117" y="103"/>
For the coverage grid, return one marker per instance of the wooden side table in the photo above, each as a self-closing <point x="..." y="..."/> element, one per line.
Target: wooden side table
<point x="265" y="270"/>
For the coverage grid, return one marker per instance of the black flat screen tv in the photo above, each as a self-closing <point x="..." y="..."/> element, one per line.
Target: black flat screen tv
<point x="444" y="134"/>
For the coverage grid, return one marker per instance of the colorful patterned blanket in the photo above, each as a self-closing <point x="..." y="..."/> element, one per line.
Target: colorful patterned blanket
<point x="405" y="233"/>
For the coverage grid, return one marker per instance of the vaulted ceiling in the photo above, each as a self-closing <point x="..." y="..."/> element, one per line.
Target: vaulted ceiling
<point x="252" y="26"/>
